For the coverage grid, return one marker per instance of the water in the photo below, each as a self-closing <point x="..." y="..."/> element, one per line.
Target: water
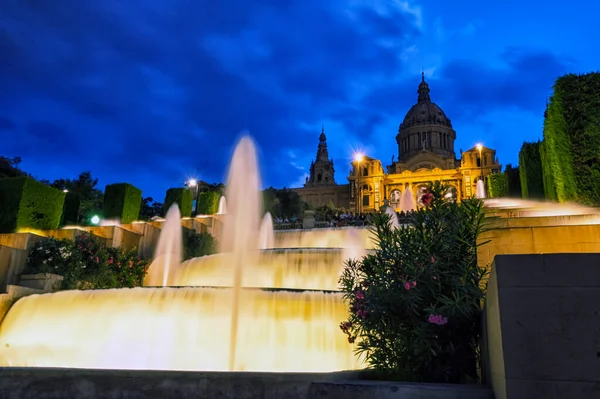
<point x="222" y="206"/>
<point x="393" y="217"/>
<point x="177" y="329"/>
<point x="301" y="269"/>
<point x="169" y="251"/>
<point x="480" y="190"/>
<point x="267" y="233"/>
<point x="407" y="202"/>
<point x="246" y="309"/>
<point x="242" y="222"/>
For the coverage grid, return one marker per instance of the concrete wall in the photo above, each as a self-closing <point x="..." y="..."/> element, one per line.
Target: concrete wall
<point x="543" y="326"/>
<point x="538" y="239"/>
<point x="95" y="384"/>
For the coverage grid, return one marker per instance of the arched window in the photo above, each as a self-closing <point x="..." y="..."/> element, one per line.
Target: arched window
<point x="319" y="177"/>
<point x="366" y="171"/>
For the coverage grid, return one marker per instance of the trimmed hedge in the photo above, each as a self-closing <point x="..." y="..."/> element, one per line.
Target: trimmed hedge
<point x="497" y="185"/>
<point x="513" y="179"/>
<point x="580" y="96"/>
<point x="70" y="215"/>
<point x="570" y="152"/>
<point x="208" y="203"/>
<point x="183" y="197"/>
<point x="530" y="171"/>
<point x="27" y="203"/>
<point x="122" y="201"/>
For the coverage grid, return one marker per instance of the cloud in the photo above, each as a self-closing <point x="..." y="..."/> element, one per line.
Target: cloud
<point x="153" y="92"/>
<point x="171" y="83"/>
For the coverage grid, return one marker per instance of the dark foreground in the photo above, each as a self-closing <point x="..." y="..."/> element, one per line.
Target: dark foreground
<point x="40" y="383"/>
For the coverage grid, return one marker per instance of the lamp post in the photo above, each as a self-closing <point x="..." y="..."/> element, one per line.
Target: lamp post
<point x="479" y="148"/>
<point x="358" y="157"/>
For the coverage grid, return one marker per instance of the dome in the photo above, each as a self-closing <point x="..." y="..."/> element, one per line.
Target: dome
<point x="425" y="112"/>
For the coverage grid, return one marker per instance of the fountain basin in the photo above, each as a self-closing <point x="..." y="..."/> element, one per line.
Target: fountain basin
<point x="296" y="268"/>
<point x="177" y="329"/>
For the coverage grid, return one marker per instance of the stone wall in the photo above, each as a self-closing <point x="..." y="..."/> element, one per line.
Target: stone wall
<point x="543" y="326"/>
<point x="95" y="384"/>
<point x="538" y="239"/>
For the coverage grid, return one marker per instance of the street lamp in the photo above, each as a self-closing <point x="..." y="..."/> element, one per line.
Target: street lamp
<point x="358" y="157"/>
<point x="479" y="148"/>
<point x="192" y="184"/>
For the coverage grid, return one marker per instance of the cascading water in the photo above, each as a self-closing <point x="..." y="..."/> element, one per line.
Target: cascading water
<point x="243" y="309"/>
<point x="407" y="202"/>
<point x="168" y="251"/>
<point x="480" y="190"/>
<point x="222" y="206"/>
<point x="267" y="234"/>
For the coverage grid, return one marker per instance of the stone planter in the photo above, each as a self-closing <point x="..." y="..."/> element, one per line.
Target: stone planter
<point x="46" y="282"/>
<point x="309" y="220"/>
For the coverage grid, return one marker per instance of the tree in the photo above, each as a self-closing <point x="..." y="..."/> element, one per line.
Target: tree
<point x="9" y="167"/>
<point x="283" y="203"/>
<point x="85" y="187"/>
<point x="150" y="208"/>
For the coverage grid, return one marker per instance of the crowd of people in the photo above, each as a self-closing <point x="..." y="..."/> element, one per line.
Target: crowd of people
<point x="336" y="219"/>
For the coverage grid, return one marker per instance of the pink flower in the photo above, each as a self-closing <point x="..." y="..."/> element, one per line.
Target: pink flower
<point x="438" y="319"/>
<point x="432" y="259"/>
<point x="406" y="285"/>
<point x="414" y="284"/>
<point x="359" y="294"/>
<point x="434" y="277"/>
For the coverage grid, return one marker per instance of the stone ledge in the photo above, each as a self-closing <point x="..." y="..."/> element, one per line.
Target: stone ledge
<point x="18" y="383"/>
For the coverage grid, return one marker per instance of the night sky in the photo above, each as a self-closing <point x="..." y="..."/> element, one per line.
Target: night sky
<point x="153" y="92"/>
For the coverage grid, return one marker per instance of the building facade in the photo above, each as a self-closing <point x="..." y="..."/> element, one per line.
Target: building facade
<point x="426" y="153"/>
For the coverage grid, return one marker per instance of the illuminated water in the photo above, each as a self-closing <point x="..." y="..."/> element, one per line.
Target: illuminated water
<point x="222" y="206"/>
<point x="407" y="202"/>
<point x="267" y="233"/>
<point x="393" y="217"/>
<point x="480" y="189"/>
<point x="201" y="327"/>
<point x="177" y="329"/>
<point x="169" y="251"/>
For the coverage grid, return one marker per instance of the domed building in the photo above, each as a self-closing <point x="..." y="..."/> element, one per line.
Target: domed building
<point x="426" y="153"/>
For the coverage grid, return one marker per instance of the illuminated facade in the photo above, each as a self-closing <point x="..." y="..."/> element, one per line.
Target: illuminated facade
<point x="426" y="153"/>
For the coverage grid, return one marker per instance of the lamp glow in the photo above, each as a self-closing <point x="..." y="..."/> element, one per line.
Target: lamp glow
<point x="358" y="157"/>
<point x="95" y="219"/>
<point x="479" y="146"/>
<point x="192" y="183"/>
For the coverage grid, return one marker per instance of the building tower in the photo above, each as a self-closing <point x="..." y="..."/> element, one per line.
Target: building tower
<point x="426" y="128"/>
<point x="321" y="169"/>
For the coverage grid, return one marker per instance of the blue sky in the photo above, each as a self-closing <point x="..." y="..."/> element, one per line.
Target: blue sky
<point x="151" y="92"/>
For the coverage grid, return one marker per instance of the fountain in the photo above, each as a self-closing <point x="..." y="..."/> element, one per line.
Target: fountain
<point x="267" y="234"/>
<point x="222" y="206"/>
<point x="169" y="250"/>
<point x="480" y="190"/>
<point x="243" y="309"/>
<point x="407" y="202"/>
<point x="393" y="217"/>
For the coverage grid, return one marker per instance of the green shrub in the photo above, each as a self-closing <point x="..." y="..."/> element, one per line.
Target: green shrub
<point x="198" y="244"/>
<point x="513" y="179"/>
<point x="122" y="201"/>
<point x="415" y="303"/>
<point x="497" y="185"/>
<point x="70" y="215"/>
<point x="27" y="203"/>
<point x="208" y="203"/>
<point x="530" y="170"/>
<point x="87" y="263"/>
<point x="580" y="99"/>
<point x="183" y="197"/>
